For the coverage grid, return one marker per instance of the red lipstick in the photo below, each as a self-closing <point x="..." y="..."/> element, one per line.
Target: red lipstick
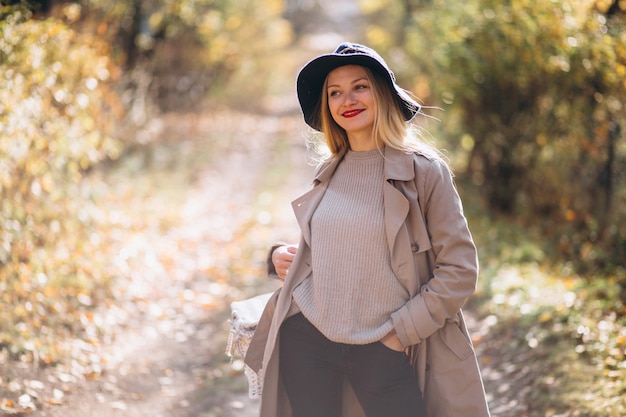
<point x="351" y="113"/>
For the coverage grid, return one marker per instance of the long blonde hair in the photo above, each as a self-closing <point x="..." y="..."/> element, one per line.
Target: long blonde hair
<point x="389" y="128"/>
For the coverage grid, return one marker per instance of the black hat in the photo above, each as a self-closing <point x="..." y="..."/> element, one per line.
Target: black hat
<point x="312" y="76"/>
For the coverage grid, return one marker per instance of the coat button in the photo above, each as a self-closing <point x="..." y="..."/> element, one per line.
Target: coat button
<point x="415" y="247"/>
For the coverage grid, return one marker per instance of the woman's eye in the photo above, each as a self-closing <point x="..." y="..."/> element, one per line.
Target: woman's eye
<point x="333" y="93"/>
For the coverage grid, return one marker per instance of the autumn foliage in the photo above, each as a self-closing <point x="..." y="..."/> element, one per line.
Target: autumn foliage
<point x="528" y="98"/>
<point x="57" y="119"/>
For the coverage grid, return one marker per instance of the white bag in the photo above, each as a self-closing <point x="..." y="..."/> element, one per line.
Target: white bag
<point x="245" y="316"/>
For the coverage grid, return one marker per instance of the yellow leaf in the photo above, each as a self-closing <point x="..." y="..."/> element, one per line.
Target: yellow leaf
<point x="545" y="316"/>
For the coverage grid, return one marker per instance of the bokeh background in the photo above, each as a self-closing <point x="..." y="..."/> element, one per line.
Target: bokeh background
<point x="149" y="151"/>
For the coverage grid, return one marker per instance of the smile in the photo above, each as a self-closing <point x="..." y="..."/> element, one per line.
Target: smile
<point x="352" y="113"/>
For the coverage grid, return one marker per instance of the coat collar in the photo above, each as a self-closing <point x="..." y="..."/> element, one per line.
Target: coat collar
<point x="398" y="166"/>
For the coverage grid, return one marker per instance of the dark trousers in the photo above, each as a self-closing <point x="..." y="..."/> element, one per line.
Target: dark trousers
<point x="313" y="369"/>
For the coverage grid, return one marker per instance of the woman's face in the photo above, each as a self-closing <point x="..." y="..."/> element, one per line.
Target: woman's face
<point x="351" y="101"/>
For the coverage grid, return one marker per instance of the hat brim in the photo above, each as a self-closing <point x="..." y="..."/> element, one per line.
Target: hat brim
<point x="312" y="76"/>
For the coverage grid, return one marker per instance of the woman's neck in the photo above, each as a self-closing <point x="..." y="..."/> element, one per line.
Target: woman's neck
<point x="363" y="143"/>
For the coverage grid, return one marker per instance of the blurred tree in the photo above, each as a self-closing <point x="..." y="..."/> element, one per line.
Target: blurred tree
<point x="184" y="49"/>
<point x="58" y="116"/>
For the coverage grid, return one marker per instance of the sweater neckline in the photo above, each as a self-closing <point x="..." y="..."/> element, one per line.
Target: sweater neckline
<point x="365" y="155"/>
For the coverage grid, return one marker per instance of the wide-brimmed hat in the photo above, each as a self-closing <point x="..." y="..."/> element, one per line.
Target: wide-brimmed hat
<point x="312" y="76"/>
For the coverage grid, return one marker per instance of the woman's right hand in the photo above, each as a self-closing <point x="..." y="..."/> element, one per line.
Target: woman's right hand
<point x="282" y="257"/>
<point x="392" y="341"/>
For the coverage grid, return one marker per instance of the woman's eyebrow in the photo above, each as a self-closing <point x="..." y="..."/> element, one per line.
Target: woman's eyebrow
<point x="351" y="82"/>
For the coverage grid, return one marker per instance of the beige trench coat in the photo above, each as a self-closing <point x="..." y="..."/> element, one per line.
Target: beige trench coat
<point x="434" y="257"/>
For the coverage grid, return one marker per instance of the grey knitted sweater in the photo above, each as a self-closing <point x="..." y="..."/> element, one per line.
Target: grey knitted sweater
<point x="353" y="291"/>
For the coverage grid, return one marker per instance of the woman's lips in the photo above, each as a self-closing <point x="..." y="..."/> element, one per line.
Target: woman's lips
<point x="351" y="113"/>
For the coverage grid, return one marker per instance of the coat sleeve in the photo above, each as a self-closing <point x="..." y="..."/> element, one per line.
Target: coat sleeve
<point x="455" y="269"/>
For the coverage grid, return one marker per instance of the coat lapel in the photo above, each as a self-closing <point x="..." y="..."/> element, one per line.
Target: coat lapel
<point x="398" y="167"/>
<point x="305" y="205"/>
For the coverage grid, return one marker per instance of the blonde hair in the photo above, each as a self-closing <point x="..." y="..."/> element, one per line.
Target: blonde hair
<point x="390" y="127"/>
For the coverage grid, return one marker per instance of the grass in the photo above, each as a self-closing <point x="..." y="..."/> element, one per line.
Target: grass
<point x="563" y="335"/>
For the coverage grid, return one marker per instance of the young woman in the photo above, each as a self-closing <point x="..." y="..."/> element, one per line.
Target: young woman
<point x="368" y="321"/>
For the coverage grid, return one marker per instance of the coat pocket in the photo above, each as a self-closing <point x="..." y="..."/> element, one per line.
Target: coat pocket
<point x="453" y="386"/>
<point x="453" y="337"/>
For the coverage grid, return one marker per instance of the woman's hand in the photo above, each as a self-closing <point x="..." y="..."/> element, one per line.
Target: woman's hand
<point x="392" y="341"/>
<point x="282" y="257"/>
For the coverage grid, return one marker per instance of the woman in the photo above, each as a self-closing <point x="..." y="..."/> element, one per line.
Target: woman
<point x="368" y="321"/>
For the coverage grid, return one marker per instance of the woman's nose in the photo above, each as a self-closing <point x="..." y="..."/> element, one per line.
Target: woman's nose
<point x="350" y="97"/>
